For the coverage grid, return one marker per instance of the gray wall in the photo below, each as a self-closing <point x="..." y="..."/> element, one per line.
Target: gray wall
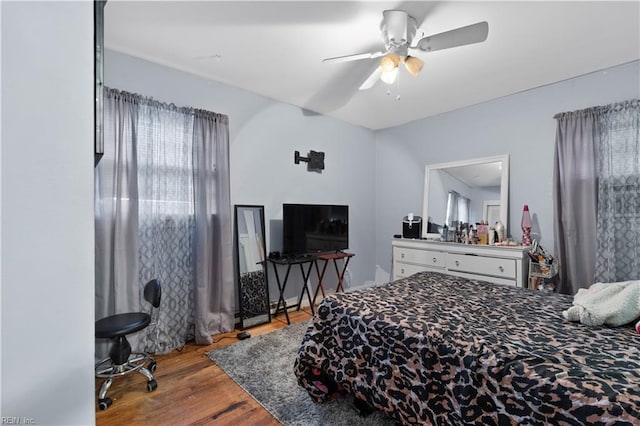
<point x="520" y="125"/>
<point x="47" y="213"/>
<point x="264" y="135"/>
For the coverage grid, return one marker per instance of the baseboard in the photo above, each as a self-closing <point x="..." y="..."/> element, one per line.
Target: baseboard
<point x="291" y="303"/>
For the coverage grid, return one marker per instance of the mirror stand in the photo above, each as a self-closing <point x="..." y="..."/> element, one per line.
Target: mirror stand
<point x="250" y="253"/>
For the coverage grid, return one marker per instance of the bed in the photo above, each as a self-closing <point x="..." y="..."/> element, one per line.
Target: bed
<point x="437" y="349"/>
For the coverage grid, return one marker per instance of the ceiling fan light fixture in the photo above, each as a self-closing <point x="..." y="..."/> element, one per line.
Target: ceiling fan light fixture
<point x="413" y="65"/>
<point x="389" y="77"/>
<point x="389" y="62"/>
<point x="398" y="30"/>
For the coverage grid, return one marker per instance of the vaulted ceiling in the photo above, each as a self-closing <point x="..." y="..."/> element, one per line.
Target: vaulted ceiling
<point x="275" y="49"/>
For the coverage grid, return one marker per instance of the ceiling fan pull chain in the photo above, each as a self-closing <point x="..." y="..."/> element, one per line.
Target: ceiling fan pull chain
<point x="398" y="87"/>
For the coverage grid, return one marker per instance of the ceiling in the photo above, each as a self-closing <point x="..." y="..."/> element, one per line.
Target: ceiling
<point x="477" y="175"/>
<point x="275" y="49"/>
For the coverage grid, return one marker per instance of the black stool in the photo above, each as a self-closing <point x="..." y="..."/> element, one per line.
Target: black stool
<point x="121" y="361"/>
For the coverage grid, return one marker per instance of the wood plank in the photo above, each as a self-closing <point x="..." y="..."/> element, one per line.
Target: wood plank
<point x="192" y="389"/>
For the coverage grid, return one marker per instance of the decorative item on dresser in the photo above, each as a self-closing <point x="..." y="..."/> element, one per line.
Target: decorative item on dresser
<point x="525" y="224"/>
<point x="498" y="264"/>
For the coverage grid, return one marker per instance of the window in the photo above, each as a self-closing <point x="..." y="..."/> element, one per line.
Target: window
<point x="457" y="209"/>
<point x="165" y="162"/>
<point x="618" y="213"/>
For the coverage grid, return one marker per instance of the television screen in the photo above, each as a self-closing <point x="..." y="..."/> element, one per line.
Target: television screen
<point x="314" y="228"/>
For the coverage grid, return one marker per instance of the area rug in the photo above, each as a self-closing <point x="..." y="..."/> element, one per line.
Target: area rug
<point x="263" y="366"/>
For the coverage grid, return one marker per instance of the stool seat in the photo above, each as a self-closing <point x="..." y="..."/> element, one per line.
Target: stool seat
<point x="121" y="324"/>
<point x="122" y="360"/>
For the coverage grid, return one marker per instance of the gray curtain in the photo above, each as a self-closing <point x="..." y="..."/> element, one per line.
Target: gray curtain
<point x="213" y="251"/>
<point x="116" y="216"/>
<point x="149" y="194"/>
<point x="618" y="165"/>
<point x="589" y="152"/>
<point x="574" y="198"/>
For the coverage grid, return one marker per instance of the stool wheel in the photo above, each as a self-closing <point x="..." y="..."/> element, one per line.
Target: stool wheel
<point x="105" y="403"/>
<point x="152" y="367"/>
<point x="152" y="385"/>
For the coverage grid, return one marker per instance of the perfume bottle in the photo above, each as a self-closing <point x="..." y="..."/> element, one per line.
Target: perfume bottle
<point x="526" y="226"/>
<point x="500" y="233"/>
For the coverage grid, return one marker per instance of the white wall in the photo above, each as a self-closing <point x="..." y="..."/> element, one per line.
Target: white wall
<point x="264" y="135"/>
<point x="47" y="212"/>
<point x="521" y="125"/>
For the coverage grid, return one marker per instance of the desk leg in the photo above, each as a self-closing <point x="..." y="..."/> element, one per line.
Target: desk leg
<point x="305" y="278"/>
<point x="340" y="286"/>
<point x="320" y="286"/>
<point x="281" y="290"/>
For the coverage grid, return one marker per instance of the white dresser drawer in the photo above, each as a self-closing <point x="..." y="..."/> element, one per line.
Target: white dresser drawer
<point x="432" y="259"/>
<point x="496" y="267"/>
<point x="402" y="270"/>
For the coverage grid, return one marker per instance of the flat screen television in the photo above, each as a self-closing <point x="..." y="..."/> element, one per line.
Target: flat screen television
<point x="314" y="228"/>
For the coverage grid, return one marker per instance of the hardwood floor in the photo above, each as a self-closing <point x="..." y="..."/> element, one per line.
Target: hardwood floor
<point x="192" y="390"/>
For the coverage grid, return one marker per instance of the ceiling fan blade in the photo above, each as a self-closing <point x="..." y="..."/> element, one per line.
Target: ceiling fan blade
<point x="355" y="57"/>
<point x="372" y="79"/>
<point x="475" y="33"/>
<point x="339" y="90"/>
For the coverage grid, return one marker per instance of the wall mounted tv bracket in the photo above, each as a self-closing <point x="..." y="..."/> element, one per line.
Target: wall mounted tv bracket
<point x="315" y="160"/>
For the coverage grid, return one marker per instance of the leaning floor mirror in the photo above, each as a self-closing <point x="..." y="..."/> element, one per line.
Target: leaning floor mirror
<point x="253" y="287"/>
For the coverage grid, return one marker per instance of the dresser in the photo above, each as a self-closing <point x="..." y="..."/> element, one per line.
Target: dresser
<point x="497" y="264"/>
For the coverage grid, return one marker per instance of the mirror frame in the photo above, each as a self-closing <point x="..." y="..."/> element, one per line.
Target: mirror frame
<point x="262" y="251"/>
<point x="504" y="186"/>
<point x="98" y="68"/>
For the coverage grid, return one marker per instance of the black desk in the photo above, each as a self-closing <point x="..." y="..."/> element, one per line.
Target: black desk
<point x="289" y="262"/>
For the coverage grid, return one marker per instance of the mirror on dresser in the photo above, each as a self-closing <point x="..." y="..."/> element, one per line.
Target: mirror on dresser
<point x="471" y="191"/>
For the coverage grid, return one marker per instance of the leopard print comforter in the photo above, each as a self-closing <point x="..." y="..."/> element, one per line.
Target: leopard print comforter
<point x="441" y="350"/>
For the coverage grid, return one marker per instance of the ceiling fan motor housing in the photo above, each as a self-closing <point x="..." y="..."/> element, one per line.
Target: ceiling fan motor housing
<point x="398" y="29"/>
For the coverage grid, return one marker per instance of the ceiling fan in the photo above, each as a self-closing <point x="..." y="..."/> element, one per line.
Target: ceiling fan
<point x="398" y="30"/>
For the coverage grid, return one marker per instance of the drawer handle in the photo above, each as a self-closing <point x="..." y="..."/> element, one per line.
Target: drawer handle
<point x="401" y="255"/>
<point x="435" y="260"/>
<point x="500" y="268"/>
<point x="457" y="263"/>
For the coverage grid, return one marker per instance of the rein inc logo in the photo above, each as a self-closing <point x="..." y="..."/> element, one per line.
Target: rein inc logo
<point x="15" y="420"/>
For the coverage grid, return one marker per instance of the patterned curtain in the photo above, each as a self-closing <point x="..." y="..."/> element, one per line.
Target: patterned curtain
<point x="618" y="168"/>
<point x="165" y="218"/>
